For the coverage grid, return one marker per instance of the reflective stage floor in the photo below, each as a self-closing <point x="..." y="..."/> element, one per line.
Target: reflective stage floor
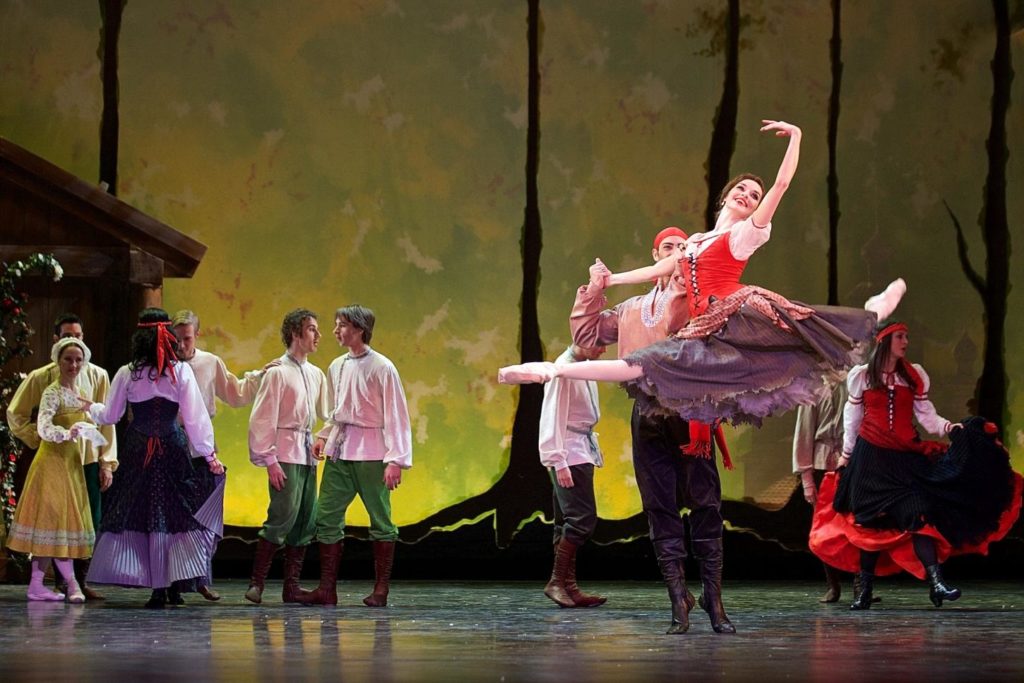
<point x="435" y="631"/>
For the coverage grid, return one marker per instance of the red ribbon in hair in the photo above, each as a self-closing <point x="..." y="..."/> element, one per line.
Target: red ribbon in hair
<point x="166" y="347"/>
<point x="889" y="329"/>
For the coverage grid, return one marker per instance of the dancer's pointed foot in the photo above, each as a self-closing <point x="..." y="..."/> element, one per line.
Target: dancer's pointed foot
<point x="527" y="373"/>
<point x="884" y="303"/>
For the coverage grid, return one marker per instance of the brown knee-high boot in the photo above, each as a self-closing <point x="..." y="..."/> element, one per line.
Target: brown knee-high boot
<point x="260" y="568"/>
<point x="575" y="594"/>
<point x="294" y="555"/>
<point x="383" y="560"/>
<point x="834" y="590"/>
<point x="327" y="592"/>
<point x="565" y="556"/>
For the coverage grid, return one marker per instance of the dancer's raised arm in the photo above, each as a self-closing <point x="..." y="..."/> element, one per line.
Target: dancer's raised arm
<point x="762" y="215"/>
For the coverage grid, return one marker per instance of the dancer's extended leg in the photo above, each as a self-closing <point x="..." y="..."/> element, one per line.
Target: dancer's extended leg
<point x="884" y="303"/>
<point x="596" y="370"/>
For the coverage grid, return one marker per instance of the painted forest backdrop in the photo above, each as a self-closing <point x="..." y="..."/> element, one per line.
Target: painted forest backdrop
<point x="457" y="164"/>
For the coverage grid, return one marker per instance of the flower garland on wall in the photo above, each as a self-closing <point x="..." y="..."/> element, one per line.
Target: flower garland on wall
<point x="14" y="337"/>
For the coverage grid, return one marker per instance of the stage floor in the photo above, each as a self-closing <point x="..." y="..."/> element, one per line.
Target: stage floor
<point x="510" y="632"/>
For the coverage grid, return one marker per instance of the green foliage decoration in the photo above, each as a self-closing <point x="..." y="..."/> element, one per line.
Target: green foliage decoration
<point x="15" y="333"/>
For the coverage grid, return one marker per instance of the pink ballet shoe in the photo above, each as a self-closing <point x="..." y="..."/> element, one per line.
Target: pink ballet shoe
<point x="75" y="595"/>
<point x="43" y="594"/>
<point x="884" y="303"/>
<point x="527" y="373"/>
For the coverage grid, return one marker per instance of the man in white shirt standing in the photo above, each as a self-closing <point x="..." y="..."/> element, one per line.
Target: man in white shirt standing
<point x="367" y="443"/>
<point x="289" y="402"/>
<point x="568" y="448"/>
<point x="215" y="381"/>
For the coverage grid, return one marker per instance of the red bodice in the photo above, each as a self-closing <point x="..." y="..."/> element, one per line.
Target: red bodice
<point x="889" y="421"/>
<point x="712" y="273"/>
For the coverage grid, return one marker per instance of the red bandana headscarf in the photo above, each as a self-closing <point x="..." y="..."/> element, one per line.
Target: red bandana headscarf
<point x="890" y="329"/>
<point x="668" y="232"/>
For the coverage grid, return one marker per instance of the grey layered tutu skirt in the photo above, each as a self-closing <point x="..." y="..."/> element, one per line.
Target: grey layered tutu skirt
<point x="753" y="354"/>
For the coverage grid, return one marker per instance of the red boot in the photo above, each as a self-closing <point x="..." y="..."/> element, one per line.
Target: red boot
<point x="260" y="568"/>
<point x="565" y="557"/>
<point x="294" y="555"/>
<point x="383" y="559"/>
<point x="575" y="594"/>
<point x="327" y="592"/>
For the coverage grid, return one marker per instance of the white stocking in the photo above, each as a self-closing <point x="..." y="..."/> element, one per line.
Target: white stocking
<point x="596" y="370"/>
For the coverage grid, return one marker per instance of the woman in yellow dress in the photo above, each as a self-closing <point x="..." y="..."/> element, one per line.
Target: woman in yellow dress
<point x="52" y="520"/>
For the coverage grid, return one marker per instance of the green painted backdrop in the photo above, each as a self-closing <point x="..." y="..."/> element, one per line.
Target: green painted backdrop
<point x="336" y="152"/>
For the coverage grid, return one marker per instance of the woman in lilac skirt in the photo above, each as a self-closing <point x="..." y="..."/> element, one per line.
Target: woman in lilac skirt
<point x="164" y="513"/>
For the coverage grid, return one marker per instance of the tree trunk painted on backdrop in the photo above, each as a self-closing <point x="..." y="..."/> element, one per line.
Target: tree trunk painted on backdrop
<point x="994" y="287"/>
<point x="723" y="135"/>
<point x="836" y="61"/>
<point x="524" y="487"/>
<point x="110" y="32"/>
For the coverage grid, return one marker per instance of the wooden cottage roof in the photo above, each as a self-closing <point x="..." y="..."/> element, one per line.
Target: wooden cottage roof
<point x="158" y="242"/>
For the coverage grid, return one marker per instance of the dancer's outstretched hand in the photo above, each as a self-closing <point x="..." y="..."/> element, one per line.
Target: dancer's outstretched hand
<point x="781" y="128"/>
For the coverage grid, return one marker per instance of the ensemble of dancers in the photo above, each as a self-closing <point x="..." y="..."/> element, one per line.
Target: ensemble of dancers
<point x="700" y="348"/>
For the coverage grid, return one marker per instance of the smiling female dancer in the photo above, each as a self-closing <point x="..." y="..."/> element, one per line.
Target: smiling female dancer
<point x="746" y="352"/>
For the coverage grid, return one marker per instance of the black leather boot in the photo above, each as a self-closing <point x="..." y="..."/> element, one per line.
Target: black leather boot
<point x="856" y="588"/>
<point x="940" y="590"/>
<point x="709" y="552"/>
<point x="863" y="598"/>
<point x="682" y="601"/>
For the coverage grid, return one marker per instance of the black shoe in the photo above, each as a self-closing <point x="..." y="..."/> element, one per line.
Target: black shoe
<point x="158" y="600"/>
<point x="863" y="598"/>
<point x="174" y="596"/>
<point x="940" y="591"/>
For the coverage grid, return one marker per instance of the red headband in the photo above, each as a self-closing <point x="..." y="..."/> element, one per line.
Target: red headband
<point x="889" y="329"/>
<point x="668" y="232"/>
<point x="166" y="347"/>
